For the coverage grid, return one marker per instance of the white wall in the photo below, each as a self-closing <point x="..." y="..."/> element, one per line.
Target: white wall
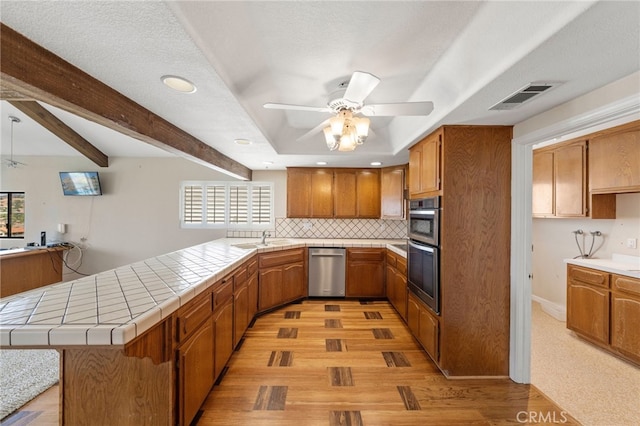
<point x="136" y="218"/>
<point x="553" y="241"/>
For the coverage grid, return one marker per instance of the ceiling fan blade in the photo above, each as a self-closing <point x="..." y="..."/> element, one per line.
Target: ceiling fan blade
<point x="401" y="108"/>
<point x="313" y="131"/>
<point x="360" y="86"/>
<point x="296" y="107"/>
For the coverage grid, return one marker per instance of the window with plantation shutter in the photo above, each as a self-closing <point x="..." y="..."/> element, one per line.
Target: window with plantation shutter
<point x="223" y="204"/>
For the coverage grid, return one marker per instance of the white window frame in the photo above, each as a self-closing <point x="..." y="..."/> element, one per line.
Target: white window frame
<point x="227" y="188"/>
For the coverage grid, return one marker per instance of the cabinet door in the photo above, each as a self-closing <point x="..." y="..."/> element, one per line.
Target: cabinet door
<point x="428" y="334"/>
<point x="195" y="371"/>
<point x="240" y="313"/>
<point x="431" y="163"/>
<point x="344" y="193"/>
<point x="322" y="193"/>
<point x="588" y="311"/>
<point x="223" y="335"/>
<point x="570" y="180"/>
<point x="415" y="170"/>
<point x="298" y="193"/>
<point x="390" y="276"/>
<point x="368" y="194"/>
<point x="625" y="318"/>
<point x="400" y="293"/>
<point x="543" y="188"/>
<point x="270" y="288"/>
<point x="365" y="273"/>
<point x="392" y="193"/>
<point x="293" y="282"/>
<point x="252" y="290"/>
<point x="614" y="161"/>
<point x="413" y="315"/>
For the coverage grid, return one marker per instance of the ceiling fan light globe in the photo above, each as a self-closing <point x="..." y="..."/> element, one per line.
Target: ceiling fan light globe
<point x="347" y="143"/>
<point x="362" y="127"/>
<point x="336" y="124"/>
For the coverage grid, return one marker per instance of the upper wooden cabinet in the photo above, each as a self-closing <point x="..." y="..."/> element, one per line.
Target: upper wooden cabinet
<point x="559" y="180"/>
<point x="614" y="160"/>
<point x="329" y="193"/>
<point x="560" y="183"/>
<point x="392" y="184"/>
<point x="309" y="192"/>
<point x="425" y="166"/>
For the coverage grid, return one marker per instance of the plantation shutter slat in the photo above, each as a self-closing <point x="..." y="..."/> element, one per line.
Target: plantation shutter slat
<point x="193" y="204"/>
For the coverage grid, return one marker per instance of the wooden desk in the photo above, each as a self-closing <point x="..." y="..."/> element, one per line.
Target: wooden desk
<point x="22" y="270"/>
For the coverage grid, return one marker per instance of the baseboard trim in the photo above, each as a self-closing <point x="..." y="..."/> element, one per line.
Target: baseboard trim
<point x="556" y="310"/>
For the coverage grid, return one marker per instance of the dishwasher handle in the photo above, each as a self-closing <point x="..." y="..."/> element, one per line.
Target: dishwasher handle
<point x="327" y="254"/>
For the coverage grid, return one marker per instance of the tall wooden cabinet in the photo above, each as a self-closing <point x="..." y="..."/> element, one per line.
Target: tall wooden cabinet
<point x="470" y="168"/>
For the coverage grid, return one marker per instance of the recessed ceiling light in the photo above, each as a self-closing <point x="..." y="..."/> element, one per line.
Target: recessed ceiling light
<point x="178" y="83"/>
<point x="376" y="163"/>
<point x="268" y="163"/>
<point x="242" y="141"/>
<point x="321" y="163"/>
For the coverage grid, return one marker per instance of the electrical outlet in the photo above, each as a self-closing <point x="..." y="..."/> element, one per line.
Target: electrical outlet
<point x="632" y="243"/>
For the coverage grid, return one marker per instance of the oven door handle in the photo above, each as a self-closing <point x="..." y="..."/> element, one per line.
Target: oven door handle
<point x="421" y="247"/>
<point x="422" y="213"/>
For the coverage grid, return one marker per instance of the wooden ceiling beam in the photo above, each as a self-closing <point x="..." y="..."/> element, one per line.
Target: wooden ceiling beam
<point x="42" y="116"/>
<point x="28" y="71"/>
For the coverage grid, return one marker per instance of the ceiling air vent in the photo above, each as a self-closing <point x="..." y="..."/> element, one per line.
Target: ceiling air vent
<point x="523" y="95"/>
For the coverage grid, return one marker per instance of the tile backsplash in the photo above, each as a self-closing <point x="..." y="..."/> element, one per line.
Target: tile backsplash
<point x="331" y="228"/>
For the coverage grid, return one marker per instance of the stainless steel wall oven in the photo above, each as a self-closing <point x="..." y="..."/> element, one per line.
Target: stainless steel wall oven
<point x="423" y="254"/>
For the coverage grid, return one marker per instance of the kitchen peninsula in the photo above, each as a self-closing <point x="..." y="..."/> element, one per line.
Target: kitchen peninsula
<point x="28" y="268"/>
<point x="133" y="338"/>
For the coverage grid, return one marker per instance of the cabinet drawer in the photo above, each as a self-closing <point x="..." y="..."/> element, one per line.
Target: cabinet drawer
<point x="193" y="315"/>
<point x="223" y="292"/>
<point x="589" y="276"/>
<point x="240" y="279"/>
<point x="365" y="255"/>
<point x="281" y="258"/>
<point x="625" y="284"/>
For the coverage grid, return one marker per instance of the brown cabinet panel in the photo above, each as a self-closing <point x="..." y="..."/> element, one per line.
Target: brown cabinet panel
<point x="345" y="183"/>
<point x="281" y="277"/>
<point x="270" y="288"/>
<point x="392" y="184"/>
<point x="309" y="192"/>
<point x="570" y="180"/>
<point x="625" y="318"/>
<point x="588" y="311"/>
<point x="429" y="330"/>
<point x="240" y="313"/>
<point x="365" y="272"/>
<point x="190" y="316"/>
<point x="425" y="166"/>
<point x="252" y="290"/>
<point x="543" y="202"/>
<point x="396" y="283"/>
<point x="614" y="160"/>
<point x="195" y="372"/>
<point x="223" y="336"/>
<point x="293" y="282"/>
<point x="368" y="193"/>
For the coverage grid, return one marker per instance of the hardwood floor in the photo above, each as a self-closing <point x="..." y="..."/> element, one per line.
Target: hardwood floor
<point x="342" y="362"/>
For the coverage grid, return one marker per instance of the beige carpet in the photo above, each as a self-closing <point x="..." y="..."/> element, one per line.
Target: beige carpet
<point x="595" y="387"/>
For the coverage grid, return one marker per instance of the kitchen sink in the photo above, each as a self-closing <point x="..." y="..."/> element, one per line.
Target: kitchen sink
<point x="272" y="243"/>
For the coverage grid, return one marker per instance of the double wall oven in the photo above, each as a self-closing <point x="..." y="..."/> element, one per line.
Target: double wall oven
<point x="423" y="275"/>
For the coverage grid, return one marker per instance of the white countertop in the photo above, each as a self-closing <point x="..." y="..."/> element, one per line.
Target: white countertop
<point x="618" y="264"/>
<point x="113" y="307"/>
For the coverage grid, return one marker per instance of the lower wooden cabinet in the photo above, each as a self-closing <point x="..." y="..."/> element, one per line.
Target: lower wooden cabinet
<point x="605" y="309"/>
<point x="424" y="325"/>
<point x="195" y="371"/>
<point x="588" y="303"/>
<point x="625" y="316"/>
<point x="223" y="336"/>
<point x="281" y="278"/>
<point x="396" y="278"/>
<point x="365" y="272"/>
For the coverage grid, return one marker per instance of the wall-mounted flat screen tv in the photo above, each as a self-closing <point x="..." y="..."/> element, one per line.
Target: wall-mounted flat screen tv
<point x="80" y="183"/>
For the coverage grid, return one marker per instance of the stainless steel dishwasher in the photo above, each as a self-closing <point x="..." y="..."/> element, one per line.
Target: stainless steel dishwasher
<point x="327" y="268"/>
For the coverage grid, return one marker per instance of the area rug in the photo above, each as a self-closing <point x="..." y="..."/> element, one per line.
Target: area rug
<point x="25" y="374"/>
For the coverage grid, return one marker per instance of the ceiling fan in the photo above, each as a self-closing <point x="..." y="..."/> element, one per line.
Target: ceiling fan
<point x="10" y="161"/>
<point x="347" y="129"/>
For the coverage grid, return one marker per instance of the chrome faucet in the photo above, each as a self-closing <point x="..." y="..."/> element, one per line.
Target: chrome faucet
<point x="265" y="234"/>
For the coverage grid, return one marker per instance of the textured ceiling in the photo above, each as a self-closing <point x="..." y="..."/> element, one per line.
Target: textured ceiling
<point x="463" y="56"/>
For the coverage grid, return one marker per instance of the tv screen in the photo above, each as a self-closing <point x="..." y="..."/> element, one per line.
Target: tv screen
<point x="80" y="183"/>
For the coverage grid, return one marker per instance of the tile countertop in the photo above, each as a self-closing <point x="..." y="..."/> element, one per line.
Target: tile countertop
<point x="113" y="307"/>
<point x="618" y="264"/>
